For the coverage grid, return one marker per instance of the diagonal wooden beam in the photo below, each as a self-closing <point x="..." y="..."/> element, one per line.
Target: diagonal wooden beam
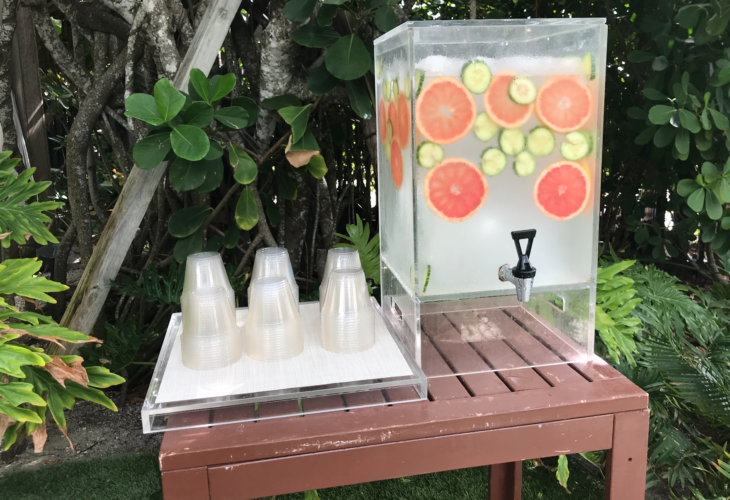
<point x="141" y="185"/>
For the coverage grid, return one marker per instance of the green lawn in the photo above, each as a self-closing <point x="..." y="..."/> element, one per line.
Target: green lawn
<point x="136" y="477"/>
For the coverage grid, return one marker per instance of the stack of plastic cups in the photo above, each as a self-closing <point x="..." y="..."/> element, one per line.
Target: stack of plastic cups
<point x="273" y="261"/>
<point x="347" y="315"/>
<point x="210" y="338"/>
<point x="337" y="258"/>
<point x="273" y="325"/>
<point x="205" y="270"/>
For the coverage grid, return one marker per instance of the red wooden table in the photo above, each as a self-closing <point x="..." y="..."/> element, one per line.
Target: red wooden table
<point x="489" y="418"/>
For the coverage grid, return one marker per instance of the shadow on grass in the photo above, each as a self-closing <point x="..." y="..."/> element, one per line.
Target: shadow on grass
<point x="137" y="477"/>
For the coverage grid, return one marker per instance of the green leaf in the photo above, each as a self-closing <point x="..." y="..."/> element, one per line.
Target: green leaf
<point x="19" y="276"/>
<point x="702" y="142"/>
<point x="17" y="393"/>
<point x="101" y="377"/>
<point x="326" y="15"/>
<point x="563" y="473"/>
<point x="213" y="176"/>
<point x="688" y="16"/>
<point x="661" y="114"/>
<point x="636" y="113"/>
<point x="143" y="107"/>
<point x="280" y="101"/>
<point x="315" y="36"/>
<point x="385" y="18"/>
<point x="723" y="190"/>
<point x="245" y="169"/>
<point x="320" y="81"/>
<point x="215" y="151"/>
<point x="664" y="136"/>
<point x="90" y="394"/>
<point x="247" y="213"/>
<point x="214" y="243"/>
<point x="725" y="223"/>
<point x="696" y="200"/>
<point x="654" y="95"/>
<point x="681" y="142"/>
<point x="19" y="414"/>
<point x="272" y="212"/>
<point x="200" y="84"/>
<point x="297" y="117"/>
<point x="710" y="173"/>
<point x="639" y="56"/>
<point x="233" y="117"/>
<point x="705" y="120"/>
<point x="186" y="175"/>
<point x="689" y="121"/>
<point x="317" y="166"/>
<point x="230" y="240"/>
<point x="311" y="495"/>
<point x="660" y="63"/>
<point x="718" y="22"/>
<point x="646" y="136"/>
<point x="298" y="11"/>
<point x="11" y="433"/>
<point x="335" y="2"/>
<point x="188" y="246"/>
<point x="250" y="106"/>
<point x="721" y="121"/>
<point x="287" y="187"/>
<point x="359" y="99"/>
<point x="685" y="187"/>
<point x="223" y="86"/>
<point x="152" y="150"/>
<point x="306" y="143"/>
<point x="348" y="59"/>
<point x="713" y="206"/>
<point x="13" y="357"/>
<point x="199" y="114"/>
<point x="189" y="142"/>
<point x="186" y="221"/>
<point x="169" y="100"/>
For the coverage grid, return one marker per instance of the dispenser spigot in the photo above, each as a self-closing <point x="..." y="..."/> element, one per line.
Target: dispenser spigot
<point x="523" y="274"/>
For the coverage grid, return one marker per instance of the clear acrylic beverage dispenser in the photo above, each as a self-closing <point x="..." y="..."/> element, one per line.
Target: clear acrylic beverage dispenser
<point x="489" y="162"/>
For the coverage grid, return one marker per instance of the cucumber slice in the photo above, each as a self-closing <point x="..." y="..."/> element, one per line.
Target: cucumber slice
<point x="407" y="87"/>
<point x="522" y="90"/>
<point x="541" y="141"/>
<point x="477" y="76"/>
<point x="484" y="127"/>
<point x="512" y="141"/>
<point x="387" y="150"/>
<point x="493" y="161"/>
<point x="524" y="164"/>
<point x="387" y="89"/>
<point x="378" y="68"/>
<point x="395" y="90"/>
<point x="577" y="145"/>
<point x="418" y="77"/>
<point x="589" y="65"/>
<point x="429" y="154"/>
<point x="388" y="138"/>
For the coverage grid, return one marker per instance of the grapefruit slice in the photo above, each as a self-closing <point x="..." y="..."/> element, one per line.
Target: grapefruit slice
<point x="501" y="108"/>
<point x="455" y="189"/>
<point x="396" y="163"/>
<point x="562" y="190"/>
<point x="382" y="121"/>
<point x="445" y="111"/>
<point x="393" y="118"/>
<point x="564" y="104"/>
<point x="404" y="120"/>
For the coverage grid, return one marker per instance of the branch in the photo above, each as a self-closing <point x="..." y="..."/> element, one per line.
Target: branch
<point x="125" y="8"/>
<point x="247" y="255"/>
<point x="167" y="58"/>
<point x="90" y="17"/>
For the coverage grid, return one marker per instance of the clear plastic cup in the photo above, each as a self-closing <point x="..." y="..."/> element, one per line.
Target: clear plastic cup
<point x="273" y="325"/>
<point x="337" y="258"/>
<point x="210" y="337"/>
<point x="348" y="323"/>
<point x="205" y="269"/>
<point x="274" y="261"/>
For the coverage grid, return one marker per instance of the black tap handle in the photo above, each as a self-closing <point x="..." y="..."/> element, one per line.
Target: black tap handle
<point x="524" y="269"/>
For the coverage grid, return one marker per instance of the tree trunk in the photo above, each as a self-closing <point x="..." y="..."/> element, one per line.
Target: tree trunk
<point x="8" y="138"/>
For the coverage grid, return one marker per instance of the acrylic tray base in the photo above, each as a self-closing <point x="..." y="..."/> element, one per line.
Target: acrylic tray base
<point x="180" y="398"/>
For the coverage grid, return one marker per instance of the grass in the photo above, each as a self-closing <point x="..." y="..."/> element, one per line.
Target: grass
<point x="137" y="477"/>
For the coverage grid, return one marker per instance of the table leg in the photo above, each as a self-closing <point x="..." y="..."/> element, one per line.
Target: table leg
<point x="626" y="461"/>
<point x="505" y="481"/>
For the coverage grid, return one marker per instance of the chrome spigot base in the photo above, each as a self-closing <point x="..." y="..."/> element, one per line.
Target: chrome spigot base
<point x="523" y="286"/>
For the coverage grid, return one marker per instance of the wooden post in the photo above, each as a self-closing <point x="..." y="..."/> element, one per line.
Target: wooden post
<point x="626" y="461"/>
<point x="27" y="90"/>
<point x="141" y="185"/>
